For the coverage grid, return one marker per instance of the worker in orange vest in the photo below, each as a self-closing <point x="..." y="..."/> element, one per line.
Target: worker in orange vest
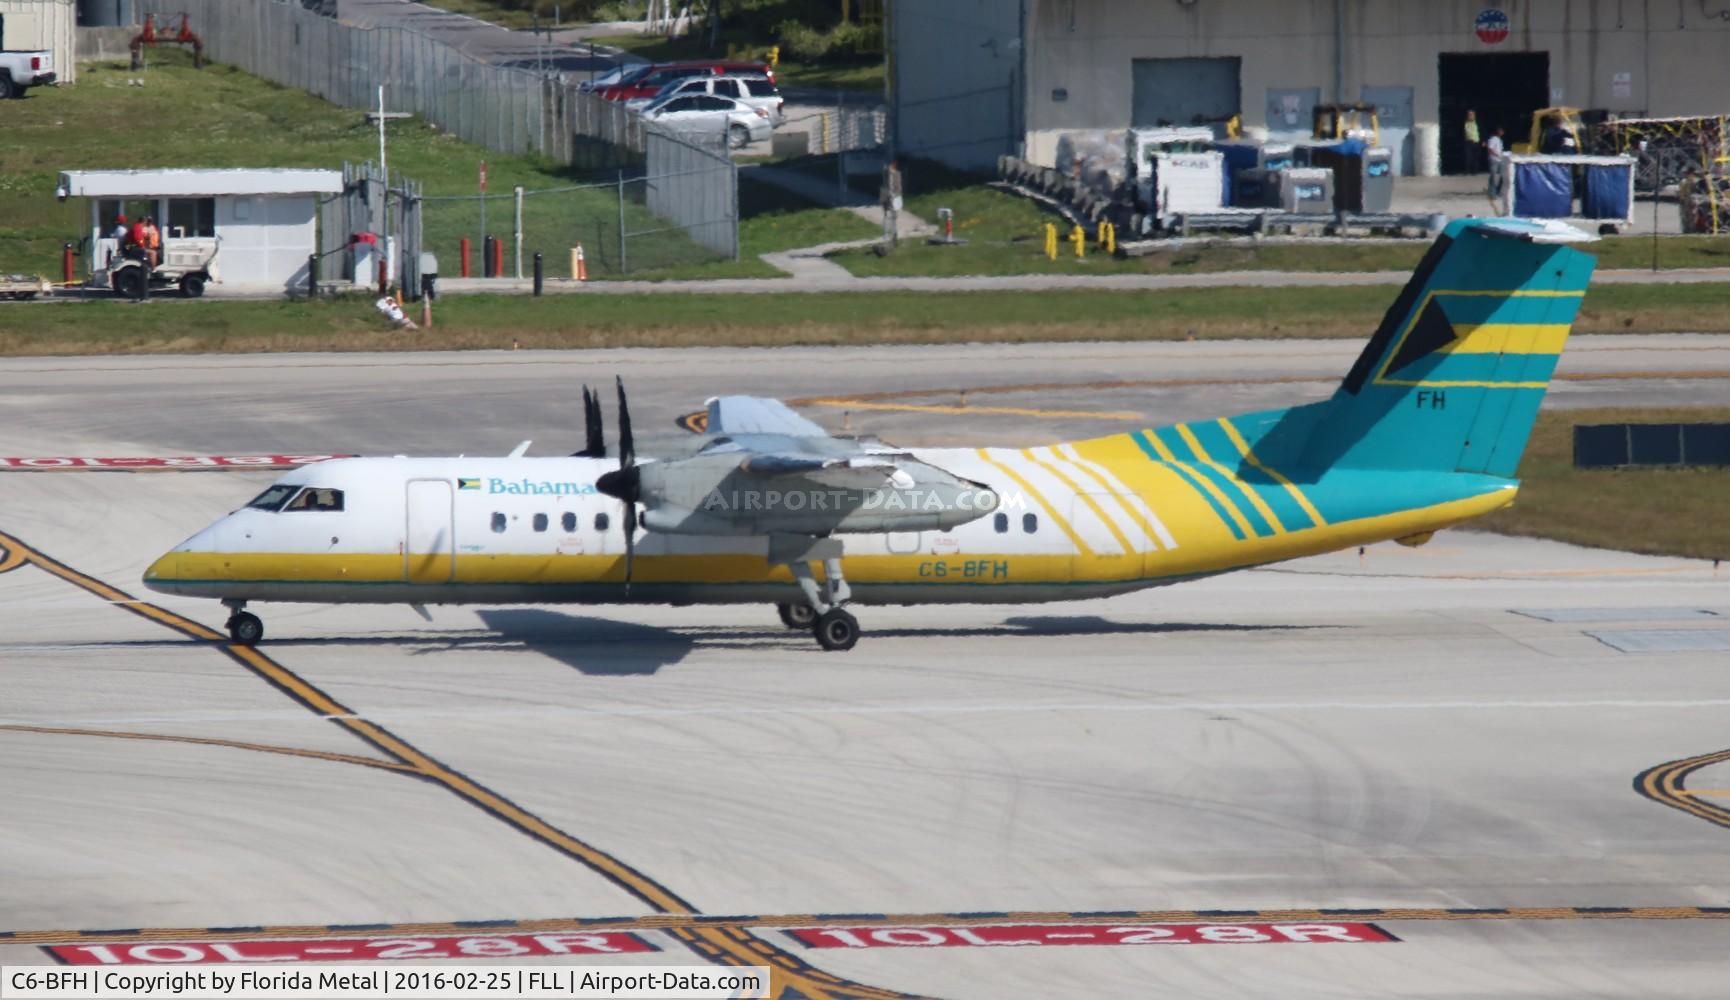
<point x="153" y="241"/>
<point x="138" y="241"/>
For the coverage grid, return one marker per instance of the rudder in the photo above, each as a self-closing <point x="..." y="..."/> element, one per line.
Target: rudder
<point x="1452" y="379"/>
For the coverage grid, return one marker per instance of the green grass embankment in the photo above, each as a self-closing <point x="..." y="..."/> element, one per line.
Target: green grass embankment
<point x="1661" y="512"/>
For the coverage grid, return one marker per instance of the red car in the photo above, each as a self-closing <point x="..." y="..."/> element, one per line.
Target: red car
<point x="648" y="85"/>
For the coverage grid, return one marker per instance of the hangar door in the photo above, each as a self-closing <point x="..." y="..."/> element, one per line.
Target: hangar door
<point x="1181" y="91"/>
<point x="1504" y="88"/>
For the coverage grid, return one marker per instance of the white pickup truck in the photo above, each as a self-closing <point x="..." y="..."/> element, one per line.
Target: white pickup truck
<point x="19" y="71"/>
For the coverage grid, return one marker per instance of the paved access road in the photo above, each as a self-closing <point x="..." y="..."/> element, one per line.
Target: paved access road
<point x="485" y="402"/>
<point x="1484" y="767"/>
<point x="1426" y="757"/>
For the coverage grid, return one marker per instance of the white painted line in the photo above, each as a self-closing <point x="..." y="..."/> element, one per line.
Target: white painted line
<point x="388" y="715"/>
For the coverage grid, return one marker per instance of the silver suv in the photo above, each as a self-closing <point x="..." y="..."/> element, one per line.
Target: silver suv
<point x="753" y="91"/>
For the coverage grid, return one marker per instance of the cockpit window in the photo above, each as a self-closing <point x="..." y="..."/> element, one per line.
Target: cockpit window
<point x="316" y="498"/>
<point x="273" y="498"/>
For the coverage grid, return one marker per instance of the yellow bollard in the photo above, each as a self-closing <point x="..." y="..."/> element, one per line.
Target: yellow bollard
<point x="1107" y="237"/>
<point x="774" y="56"/>
<point x="1078" y="236"/>
<point x="1051" y="240"/>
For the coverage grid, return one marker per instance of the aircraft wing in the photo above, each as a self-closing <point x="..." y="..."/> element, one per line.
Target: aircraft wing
<point x="734" y="415"/>
<point x="860" y="472"/>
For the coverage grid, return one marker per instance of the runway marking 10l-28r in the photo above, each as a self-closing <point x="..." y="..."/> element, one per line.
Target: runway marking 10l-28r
<point x="375" y="949"/>
<point x="1044" y="935"/>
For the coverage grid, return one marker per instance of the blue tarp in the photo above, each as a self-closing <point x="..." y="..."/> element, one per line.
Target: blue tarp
<point x="1543" y="190"/>
<point x="1238" y="156"/>
<point x="1606" y="194"/>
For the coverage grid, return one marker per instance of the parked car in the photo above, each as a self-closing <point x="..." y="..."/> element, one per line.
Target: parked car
<point x="19" y="71"/>
<point x="708" y="115"/>
<point x="621" y="74"/>
<point x="649" y="85"/>
<point x="756" y="90"/>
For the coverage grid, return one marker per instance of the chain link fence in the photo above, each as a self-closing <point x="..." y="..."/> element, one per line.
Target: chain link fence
<point x="621" y="225"/>
<point x="672" y="201"/>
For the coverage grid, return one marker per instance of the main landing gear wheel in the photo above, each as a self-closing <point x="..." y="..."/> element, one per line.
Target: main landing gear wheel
<point x="836" y="630"/>
<point x="798" y="617"/>
<point x="245" y="628"/>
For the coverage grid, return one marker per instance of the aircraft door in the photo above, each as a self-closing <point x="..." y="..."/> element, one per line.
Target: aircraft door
<point x="1114" y="541"/>
<point x="429" y="537"/>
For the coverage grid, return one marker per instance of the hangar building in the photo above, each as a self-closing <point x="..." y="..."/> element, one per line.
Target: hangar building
<point x="973" y="79"/>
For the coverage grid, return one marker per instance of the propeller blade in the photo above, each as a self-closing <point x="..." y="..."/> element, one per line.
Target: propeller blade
<point x="627" y="446"/>
<point x="630" y="544"/>
<point x="596" y="426"/>
<point x="596" y="444"/>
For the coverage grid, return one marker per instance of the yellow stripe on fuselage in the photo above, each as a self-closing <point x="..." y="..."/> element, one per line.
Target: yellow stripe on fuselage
<point x="1186" y="513"/>
<point x="1230" y="508"/>
<point x="1290" y="487"/>
<point x="1217" y="554"/>
<point x="1261" y="506"/>
<point x="1051" y="510"/>
<point x="1129" y="508"/>
<point x="1093" y="505"/>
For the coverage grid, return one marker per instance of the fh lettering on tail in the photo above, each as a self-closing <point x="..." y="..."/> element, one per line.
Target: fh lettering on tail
<point x="1431" y="399"/>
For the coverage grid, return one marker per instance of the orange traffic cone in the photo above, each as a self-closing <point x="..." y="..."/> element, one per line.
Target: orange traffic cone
<point x="582" y="265"/>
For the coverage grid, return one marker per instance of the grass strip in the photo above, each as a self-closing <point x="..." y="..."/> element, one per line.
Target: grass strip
<point x="171" y="325"/>
<point x="1653" y="511"/>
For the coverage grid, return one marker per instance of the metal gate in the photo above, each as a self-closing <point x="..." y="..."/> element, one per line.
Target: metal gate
<point x="429" y="535"/>
<point x="1181" y="91"/>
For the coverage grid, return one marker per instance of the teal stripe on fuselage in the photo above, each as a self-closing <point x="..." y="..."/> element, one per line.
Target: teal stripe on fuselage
<point x="1233" y="490"/>
<point x="1213" y="438"/>
<point x="1146" y="446"/>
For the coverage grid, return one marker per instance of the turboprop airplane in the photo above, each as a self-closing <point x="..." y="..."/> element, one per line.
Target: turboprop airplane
<point x="1425" y="431"/>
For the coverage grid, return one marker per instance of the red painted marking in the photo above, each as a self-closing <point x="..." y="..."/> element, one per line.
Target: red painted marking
<point x="178" y="462"/>
<point x="382" y="949"/>
<point x="1040" y="935"/>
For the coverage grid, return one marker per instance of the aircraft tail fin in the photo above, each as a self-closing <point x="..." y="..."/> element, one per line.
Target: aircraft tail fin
<point x="1452" y="379"/>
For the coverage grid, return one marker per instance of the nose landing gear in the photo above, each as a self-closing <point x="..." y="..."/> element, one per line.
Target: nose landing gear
<point x="244" y="628"/>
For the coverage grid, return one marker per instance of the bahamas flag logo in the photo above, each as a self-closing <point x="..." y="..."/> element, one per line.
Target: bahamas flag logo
<point x="468" y="484"/>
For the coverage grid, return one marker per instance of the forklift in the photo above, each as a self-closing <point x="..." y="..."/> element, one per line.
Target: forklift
<point x="1357" y="120"/>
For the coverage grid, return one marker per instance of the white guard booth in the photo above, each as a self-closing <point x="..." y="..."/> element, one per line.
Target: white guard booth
<point x="264" y="222"/>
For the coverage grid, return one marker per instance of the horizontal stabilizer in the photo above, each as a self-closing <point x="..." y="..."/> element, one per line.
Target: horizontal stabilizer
<point x="1529" y="230"/>
<point x="734" y="415"/>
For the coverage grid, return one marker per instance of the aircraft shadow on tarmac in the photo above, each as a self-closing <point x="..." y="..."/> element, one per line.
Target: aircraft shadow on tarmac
<point x="606" y="647"/>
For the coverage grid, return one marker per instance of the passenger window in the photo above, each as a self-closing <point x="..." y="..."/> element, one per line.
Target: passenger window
<point x="316" y="498"/>
<point x="1030" y="523"/>
<point x="1001" y="523"/>
<point x="540" y="522"/>
<point x="568" y="522"/>
<point x="498" y="523"/>
<point x="601" y="522"/>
